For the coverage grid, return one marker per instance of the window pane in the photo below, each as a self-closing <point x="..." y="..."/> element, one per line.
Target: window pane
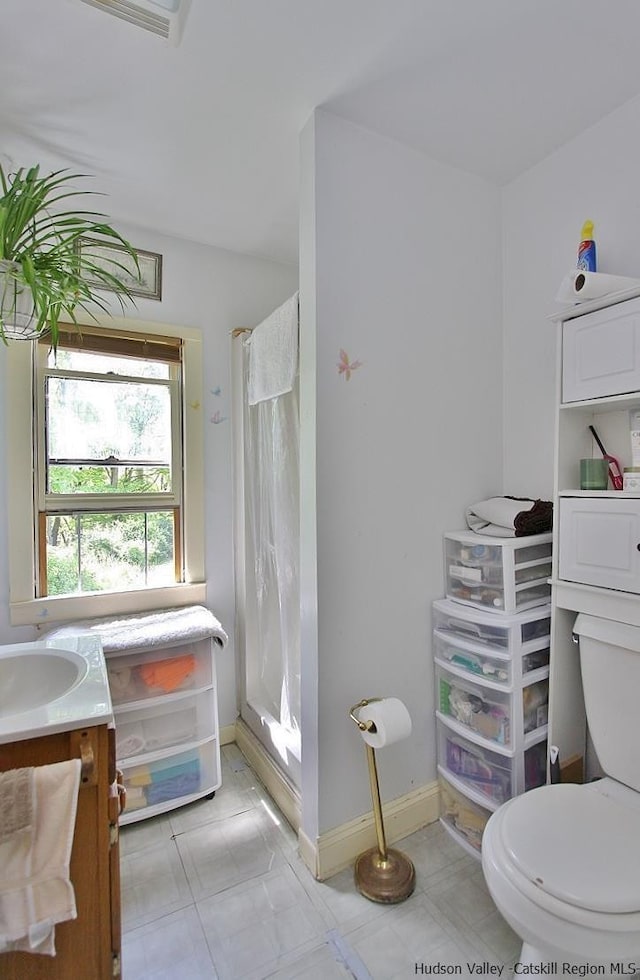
<point x="96" y="420"/>
<point x="109" y="552"/>
<point x="75" y="360"/>
<point x="77" y="478"/>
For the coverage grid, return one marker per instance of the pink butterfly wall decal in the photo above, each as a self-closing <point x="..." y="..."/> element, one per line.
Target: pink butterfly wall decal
<point x="344" y="367"/>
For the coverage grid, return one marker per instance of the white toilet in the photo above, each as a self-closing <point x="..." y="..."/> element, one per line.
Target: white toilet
<point x="562" y="862"/>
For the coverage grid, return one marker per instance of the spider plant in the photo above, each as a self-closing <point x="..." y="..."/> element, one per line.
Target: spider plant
<point x="44" y="274"/>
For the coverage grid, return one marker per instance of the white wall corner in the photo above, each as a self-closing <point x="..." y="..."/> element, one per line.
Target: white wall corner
<point x="339" y="847"/>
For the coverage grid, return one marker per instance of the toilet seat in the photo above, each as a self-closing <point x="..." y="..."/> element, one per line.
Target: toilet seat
<point x="578" y="845"/>
<point x="543" y="919"/>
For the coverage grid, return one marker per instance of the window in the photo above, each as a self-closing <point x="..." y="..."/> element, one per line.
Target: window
<point x="109" y="463"/>
<point x="116" y="515"/>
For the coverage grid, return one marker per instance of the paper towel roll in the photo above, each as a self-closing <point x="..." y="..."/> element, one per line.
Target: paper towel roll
<point x="392" y="721"/>
<point x="578" y="286"/>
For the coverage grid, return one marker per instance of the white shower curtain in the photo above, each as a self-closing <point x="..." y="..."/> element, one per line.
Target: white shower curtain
<point x="272" y="616"/>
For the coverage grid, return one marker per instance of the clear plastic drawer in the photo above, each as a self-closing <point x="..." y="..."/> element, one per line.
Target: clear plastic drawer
<point x="535" y="705"/>
<point x="484" y="711"/>
<point x="472" y="658"/>
<point x="462" y="816"/>
<point x="157" y="673"/>
<point x="486" y="773"/>
<point x="516" y="634"/>
<point x="145" y="731"/>
<point x="177" y="776"/>
<point x="535" y="660"/>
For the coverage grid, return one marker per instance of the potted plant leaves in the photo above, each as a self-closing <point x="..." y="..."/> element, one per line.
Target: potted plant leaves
<point x="44" y="274"/>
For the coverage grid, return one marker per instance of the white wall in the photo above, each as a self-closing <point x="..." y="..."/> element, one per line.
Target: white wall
<point x="216" y="291"/>
<point x="400" y="266"/>
<point x="594" y="176"/>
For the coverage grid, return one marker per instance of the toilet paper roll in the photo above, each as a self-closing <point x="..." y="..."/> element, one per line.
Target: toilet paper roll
<point x="578" y="286"/>
<point x="392" y="721"/>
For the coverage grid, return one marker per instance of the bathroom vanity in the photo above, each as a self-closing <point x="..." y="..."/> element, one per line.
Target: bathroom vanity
<point x="596" y="553"/>
<point x="75" y="724"/>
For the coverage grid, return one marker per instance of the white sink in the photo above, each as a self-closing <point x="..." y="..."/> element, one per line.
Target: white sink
<point x="51" y="686"/>
<point x="32" y="678"/>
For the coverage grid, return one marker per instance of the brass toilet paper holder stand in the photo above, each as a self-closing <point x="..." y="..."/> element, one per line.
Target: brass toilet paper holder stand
<point x="382" y="874"/>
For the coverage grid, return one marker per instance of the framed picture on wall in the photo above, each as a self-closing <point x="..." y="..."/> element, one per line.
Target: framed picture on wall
<point x="145" y="281"/>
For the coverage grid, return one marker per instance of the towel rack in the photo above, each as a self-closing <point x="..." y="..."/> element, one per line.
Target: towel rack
<point x="82" y="747"/>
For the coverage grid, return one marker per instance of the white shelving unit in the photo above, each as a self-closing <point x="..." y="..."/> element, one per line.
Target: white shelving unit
<point x="162" y="676"/>
<point x="492" y="677"/>
<point x="596" y="564"/>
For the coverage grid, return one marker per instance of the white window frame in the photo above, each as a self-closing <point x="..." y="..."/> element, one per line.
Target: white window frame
<point x="24" y="607"/>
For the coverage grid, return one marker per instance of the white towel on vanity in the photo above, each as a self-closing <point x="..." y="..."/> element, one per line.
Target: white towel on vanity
<point x="35" y="850"/>
<point x="273" y="353"/>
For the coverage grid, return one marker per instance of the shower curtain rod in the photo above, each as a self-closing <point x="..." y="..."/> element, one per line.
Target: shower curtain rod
<point x="240" y="330"/>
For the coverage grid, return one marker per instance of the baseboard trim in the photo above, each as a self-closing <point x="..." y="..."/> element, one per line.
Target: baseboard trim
<point x="227" y="734"/>
<point x="338" y="848"/>
<point x="282" y="792"/>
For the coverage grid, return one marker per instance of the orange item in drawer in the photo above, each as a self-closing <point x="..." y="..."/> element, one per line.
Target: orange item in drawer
<point x="167" y="674"/>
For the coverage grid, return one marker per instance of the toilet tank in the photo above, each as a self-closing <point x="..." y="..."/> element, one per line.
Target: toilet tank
<point x="610" y="662"/>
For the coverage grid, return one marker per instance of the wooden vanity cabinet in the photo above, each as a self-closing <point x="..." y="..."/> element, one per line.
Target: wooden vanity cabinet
<point x="88" y="947"/>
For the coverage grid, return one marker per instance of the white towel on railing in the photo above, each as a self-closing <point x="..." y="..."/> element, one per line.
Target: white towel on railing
<point x="273" y="353"/>
<point x="35" y="888"/>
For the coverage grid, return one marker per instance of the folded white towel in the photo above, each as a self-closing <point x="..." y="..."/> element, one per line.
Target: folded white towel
<point x="35" y="888"/>
<point x="163" y="628"/>
<point x="510" y="517"/>
<point x="273" y="353"/>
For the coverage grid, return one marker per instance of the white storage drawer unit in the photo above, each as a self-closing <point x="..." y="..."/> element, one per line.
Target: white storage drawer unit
<point x="162" y="676"/>
<point x="492" y="691"/>
<point x="601" y="353"/>
<point x="503" y="575"/>
<point x="600" y="542"/>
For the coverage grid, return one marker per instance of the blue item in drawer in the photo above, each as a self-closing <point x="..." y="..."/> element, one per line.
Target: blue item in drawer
<point x="173" y="787"/>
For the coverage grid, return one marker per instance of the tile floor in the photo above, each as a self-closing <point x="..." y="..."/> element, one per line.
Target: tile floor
<point x="216" y="891"/>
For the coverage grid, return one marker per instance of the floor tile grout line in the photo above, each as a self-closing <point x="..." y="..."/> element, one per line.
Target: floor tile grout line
<point x="344" y="954"/>
<point x="126" y="930"/>
<point x="437" y="888"/>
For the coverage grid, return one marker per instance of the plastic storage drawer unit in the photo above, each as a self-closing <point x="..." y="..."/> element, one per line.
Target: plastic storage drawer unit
<point x="503" y="575"/>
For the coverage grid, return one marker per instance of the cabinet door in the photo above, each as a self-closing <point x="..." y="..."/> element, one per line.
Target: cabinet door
<point x="601" y="353"/>
<point x="600" y="542"/>
<point x="83" y="945"/>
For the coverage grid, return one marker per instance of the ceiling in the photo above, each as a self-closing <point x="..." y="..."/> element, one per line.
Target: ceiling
<point x="200" y="141"/>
